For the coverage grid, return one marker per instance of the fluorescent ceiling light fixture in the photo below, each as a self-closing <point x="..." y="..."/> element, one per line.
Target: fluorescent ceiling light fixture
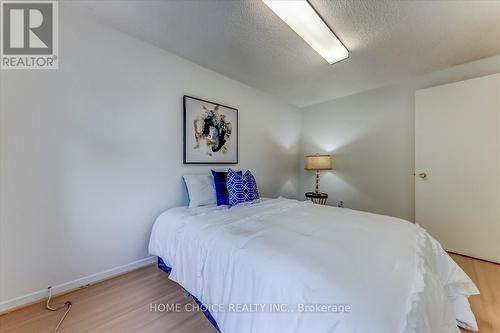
<point x="304" y="20"/>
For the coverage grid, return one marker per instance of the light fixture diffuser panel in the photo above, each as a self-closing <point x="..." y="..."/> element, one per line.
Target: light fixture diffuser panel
<point x="304" y="20"/>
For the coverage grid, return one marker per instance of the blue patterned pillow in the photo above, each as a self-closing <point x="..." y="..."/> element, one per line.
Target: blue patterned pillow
<point x="220" y="178"/>
<point x="241" y="188"/>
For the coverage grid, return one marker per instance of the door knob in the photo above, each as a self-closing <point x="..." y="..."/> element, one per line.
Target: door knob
<point x="422" y="175"/>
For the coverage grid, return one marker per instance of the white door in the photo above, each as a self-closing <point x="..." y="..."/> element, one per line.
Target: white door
<point x="457" y="146"/>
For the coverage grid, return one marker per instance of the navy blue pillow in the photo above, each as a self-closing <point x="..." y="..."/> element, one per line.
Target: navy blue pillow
<point x="241" y="188"/>
<point x="220" y="178"/>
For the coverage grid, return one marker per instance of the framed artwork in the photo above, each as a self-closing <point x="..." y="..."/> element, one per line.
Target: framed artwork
<point x="210" y="132"/>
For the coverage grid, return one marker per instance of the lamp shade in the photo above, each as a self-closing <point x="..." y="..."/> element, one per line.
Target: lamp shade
<point x="318" y="162"/>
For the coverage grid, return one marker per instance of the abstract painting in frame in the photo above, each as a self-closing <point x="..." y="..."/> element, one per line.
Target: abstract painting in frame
<point x="210" y="132"/>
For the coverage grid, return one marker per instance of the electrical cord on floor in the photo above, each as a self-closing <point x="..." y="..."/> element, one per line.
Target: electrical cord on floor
<point x="66" y="304"/>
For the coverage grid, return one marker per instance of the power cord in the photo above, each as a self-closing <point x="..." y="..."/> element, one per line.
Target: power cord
<point x="66" y="304"/>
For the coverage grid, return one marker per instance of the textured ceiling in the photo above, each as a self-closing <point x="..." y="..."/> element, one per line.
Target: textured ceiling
<point x="389" y="41"/>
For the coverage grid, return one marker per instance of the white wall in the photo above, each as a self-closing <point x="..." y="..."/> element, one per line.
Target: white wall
<point x="92" y="153"/>
<point x="371" y="137"/>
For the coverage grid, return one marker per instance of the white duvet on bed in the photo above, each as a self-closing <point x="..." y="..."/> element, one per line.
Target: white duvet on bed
<point x="282" y="254"/>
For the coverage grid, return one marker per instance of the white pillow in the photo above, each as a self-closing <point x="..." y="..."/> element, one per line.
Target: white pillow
<point x="201" y="190"/>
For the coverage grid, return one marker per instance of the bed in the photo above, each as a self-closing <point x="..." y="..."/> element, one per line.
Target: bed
<point x="283" y="265"/>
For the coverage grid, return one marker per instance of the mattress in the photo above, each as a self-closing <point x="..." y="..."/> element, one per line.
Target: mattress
<point x="288" y="266"/>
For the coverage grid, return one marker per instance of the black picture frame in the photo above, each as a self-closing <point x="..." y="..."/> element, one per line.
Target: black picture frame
<point x="235" y="132"/>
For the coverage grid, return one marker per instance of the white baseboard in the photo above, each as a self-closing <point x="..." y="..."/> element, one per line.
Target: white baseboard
<point x="61" y="288"/>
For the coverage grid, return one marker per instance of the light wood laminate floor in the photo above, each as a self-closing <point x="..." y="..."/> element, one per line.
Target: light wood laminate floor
<point x="485" y="306"/>
<point x="122" y="304"/>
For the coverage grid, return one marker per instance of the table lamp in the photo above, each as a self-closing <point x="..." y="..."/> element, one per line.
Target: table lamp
<point x="318" y="162"/>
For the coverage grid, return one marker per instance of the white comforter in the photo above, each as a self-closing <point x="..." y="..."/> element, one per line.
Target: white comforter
<point x="258" y="266"/>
